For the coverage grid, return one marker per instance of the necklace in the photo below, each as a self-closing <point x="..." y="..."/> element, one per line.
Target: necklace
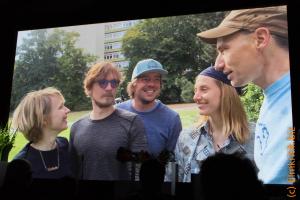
<point x="49" y="169"/>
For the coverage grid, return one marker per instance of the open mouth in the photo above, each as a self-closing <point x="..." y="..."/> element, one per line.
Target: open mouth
<point x="149" y="91"/>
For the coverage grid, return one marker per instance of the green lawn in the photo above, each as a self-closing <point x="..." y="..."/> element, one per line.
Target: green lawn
<point x="188" y="118"/>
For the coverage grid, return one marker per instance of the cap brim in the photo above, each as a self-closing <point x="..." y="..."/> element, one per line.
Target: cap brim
<point x="210" y="36"/>
<point x="160" y="71"/>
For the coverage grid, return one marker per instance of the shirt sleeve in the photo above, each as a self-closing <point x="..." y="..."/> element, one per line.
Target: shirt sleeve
<point x="75" y="159"/>
<point x="175" y="130"/>
<point x="137" y="132"/>
<point x="179" y="160"/>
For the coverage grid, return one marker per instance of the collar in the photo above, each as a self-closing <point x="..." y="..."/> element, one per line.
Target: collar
<point x="204" y="130"/>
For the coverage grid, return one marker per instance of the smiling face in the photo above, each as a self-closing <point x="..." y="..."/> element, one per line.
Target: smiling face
<point x="239" y="59"/>
<point x="57" y="118"/>
<point x="207" y="95"/>
<point x="147" y="87"/>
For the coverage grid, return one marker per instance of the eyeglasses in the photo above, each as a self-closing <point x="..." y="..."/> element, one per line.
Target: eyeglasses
<point x="103" y="83"/>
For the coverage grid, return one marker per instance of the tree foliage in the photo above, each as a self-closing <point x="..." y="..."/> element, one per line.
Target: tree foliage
<point x="173" y="42"/>
<point x="252" y="101"/>
<point x="187" y="89"/>
<point x="51" y="59"/>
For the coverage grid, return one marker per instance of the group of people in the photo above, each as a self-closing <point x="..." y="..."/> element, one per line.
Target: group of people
<point x="252" y="46"/>
<point x="142" y="124"/>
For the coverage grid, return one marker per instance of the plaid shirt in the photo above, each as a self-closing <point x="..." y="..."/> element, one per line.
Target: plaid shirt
<point x="195" y="145"/>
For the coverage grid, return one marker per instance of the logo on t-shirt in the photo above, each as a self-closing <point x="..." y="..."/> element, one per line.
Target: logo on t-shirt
<point x="262" y="136"/>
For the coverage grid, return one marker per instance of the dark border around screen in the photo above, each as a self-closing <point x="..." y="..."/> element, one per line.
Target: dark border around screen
<point x="36" y="14"/>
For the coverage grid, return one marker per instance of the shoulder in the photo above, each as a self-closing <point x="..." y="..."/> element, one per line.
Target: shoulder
<point x="164" y="108"/>
<point x="23" y="152"/>
<point x="81" y="120"/>
<point x="62" y="141"/>
<point x="187" y="133"/>
<point x="124" y="114"/>
<point x="124" y="104"/>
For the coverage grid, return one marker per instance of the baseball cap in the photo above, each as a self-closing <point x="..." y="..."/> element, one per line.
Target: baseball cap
<point x="274" y="18"/>
<point x="148" y="65"/>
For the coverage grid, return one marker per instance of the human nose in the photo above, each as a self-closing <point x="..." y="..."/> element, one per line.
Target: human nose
<point x="67" y="110"/>
<point x="197" y="97"/>
<point x="109" y="86"/>
<point x="219" y="63"/>
<point x="151" y="82"/>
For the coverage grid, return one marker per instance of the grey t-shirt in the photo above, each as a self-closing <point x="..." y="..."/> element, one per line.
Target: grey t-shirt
<point x="94" y="144"/>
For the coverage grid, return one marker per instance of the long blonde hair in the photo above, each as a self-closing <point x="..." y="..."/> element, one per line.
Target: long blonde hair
<point x="233" y="114"/>
<point x="30" y="115"/>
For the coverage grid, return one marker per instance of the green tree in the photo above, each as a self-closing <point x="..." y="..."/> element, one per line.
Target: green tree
<point x="187" y="89"/>
<point x="51" y="59"/>
<point x="252" y="101"/>
<point x="73" y="65"/>
<point x="173" y="42"/>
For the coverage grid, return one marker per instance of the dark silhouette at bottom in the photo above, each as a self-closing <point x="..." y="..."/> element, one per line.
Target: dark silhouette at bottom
<point x="224" y="176"/>
<point x="18" y="179"/>
<point x="152" y="173"/>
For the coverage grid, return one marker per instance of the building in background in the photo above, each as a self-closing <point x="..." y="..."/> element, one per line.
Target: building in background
<point x="103" y="40"/>
<point x="114" y="32"/>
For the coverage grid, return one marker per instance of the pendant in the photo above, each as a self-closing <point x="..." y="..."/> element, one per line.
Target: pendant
<point x="50" y="169"/>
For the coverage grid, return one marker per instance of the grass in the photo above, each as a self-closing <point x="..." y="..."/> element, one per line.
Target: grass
<point x="188" y="118"/>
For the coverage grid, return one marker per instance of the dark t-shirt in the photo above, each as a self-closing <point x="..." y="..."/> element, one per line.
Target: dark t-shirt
<point x="58" y="157"/>
<point x="96" y="142"/>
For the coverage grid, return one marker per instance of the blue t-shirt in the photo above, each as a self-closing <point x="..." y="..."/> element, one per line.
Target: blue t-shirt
<point x="272" y="131"/>
<point x="162" y="124"/>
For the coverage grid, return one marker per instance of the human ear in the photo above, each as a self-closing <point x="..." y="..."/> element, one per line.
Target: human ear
<point x="89" y="92"/>
<point x="45" y="121"/>
<point x="262" y="37"/>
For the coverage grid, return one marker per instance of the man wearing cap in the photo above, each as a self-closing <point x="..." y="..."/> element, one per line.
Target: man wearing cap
<point x="162" y="124"/>
<point x="252" y="46"/>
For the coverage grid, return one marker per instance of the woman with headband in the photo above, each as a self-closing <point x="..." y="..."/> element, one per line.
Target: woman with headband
<point x="222" y="127"/>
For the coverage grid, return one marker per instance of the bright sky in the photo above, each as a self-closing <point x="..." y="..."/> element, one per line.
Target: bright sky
<point x="21" y="35"/>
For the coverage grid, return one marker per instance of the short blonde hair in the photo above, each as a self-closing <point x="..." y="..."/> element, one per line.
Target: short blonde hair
<point x="30" y="115"/>
<point x="100" y="70"/>
<point x="233" y="114"/>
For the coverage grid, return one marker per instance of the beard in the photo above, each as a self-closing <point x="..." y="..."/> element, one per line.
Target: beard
<point x="145" y="101"/>
<point x="106" y="102"/>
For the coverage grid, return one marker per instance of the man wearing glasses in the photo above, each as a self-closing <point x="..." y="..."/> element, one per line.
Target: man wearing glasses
<point x="96" y="138"/>
<point x="162" y="124"/>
